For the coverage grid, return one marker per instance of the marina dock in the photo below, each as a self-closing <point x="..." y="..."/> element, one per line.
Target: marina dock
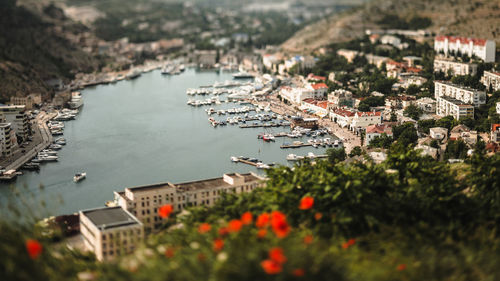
<point x="244" y="126"/>
<point x="295" y="145"/>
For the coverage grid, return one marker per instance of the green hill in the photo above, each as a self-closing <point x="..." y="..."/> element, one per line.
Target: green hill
<point x="474" y="18"/>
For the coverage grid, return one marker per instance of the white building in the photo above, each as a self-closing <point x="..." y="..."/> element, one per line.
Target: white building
<point x="365" y="119"/>
<point x="8" y="139"/>
<point x="17" y="117"/>
<point x="455" y="67"/>
<point x="320" y="89"/>
<point x="449" y="106"/>
<point x="438" y="133"/>
<point x="427" y="105"/>
<point x="374" y="131"/>
<point x="342" y="116"/>
<point x="110" y="232"/>
<point x="492" y="79"/>
<point x="498" y="107"/>
<point x="481" y="48"/>
<point x="464" y="94"/>
<point x="144" y="201"/>
<point x="495" y="133"/>
<point x="341" y="98"/>
<point x="297" y="95"/>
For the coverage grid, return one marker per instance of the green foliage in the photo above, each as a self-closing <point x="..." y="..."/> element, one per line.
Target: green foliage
<point x="336" y="155"/>
<point x="394" y="21"/>
<point x="413" y="112"/>
<point x="356" y="151"/>
<point x="447" y="122"/>
<point x="405" y="134"/>
<point x="382" y="141"/>
<point x="371" y="101"/>
<point x="456" y="149"/>
<point x="413" y="90"/>
<point x="425" y="125"/>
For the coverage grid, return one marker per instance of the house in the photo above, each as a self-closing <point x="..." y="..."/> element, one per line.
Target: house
<point x="364" y="119"/>
<point x="492" y="79"/>
<point x="340" y="98"/>
<point x="315" y="78"/>
<point x="320" y="89"/>
<point x="495" y="133"/>
<point x="481" y="48"/>
<point x="464" y="133"/>
<point x="438" y="133"/>
<point x="317" y="107"/>
<point x="297" y="95"/>
<point x="342" y="116"/>
<point x="376" y="130"/>
<point x="492" y="147"/>
<point x="446" y="65"/>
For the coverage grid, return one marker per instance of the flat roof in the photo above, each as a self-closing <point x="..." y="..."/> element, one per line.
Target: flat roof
<point x="110" y="217"/>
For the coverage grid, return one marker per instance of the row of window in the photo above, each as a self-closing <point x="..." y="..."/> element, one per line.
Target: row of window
<point x="117" y="252"/>
<point x="118" y="234"/>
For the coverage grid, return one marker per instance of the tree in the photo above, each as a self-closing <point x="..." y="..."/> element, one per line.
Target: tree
<point x="413" y="90"/>
<point x="356" y="151"/>
<point x="425" y="125"/>
<point x="382" y="141"/>
<point x="405" y="134"/>
<point x="413" y="112"/>
<point x="447" y="122"/>
<point x="336" y="155"/>
<point x="456" y="149"/>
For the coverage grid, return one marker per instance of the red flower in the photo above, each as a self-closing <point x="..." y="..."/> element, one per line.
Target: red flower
<point x="169" y="252"/>
<point x="262" y="220"/>
<point x="218" y="244"/>
<point x="271" y="267"/>
<point x="318" y="216"/>
<point x="204" y="228"/>
<point x="351" y="242"/>
<point x="34" y="248"/>
<point x="279" y="224"/>
<point x="223" y="231"/>
<point x="401" y="267"/>
<point x="276" y="254"/>
<point x="235" y="225"/>
<point x="299" y="272"/>
<point x="308" y="239"/>
<point x="165" y="210"/>
<point x="345" y="245"/>
<point x="262" y="233"/>
<point x="306" y="203"/>
<point x="247" y="218"/>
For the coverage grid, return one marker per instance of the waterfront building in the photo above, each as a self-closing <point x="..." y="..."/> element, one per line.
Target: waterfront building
<point x="205" y="58"/>
<point x="110" y="232"/>
<point x="29" y="101"/>
<point x="320" y="90"/>
<point x="365" y="119"/>
<point x="342" y="116"/>
<point x="317" y="107"/>
<point x="308" y="123"/>
<point x="454" y="67"/>
<point x="492" y="79"/>
<point x="7" y="139"/>
<point x="297" y="95"/>
<point x="481" y="48"/>
<point x="460" y="93"/>
<point x="17" y="117"/>
<point x="144" y="201"/>
<point x="377" y="130"/>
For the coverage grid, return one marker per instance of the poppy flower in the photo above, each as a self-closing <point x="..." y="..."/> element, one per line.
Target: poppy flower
<point x="299" y="272"/>
<point x="34" y="248"/>
<point x="351" y="241"/>
<point x="345" y="245"/>
<point x="235" y="225"/>
<point x="169" y="252"/>
<point x="262" y="220"/>
<point x="318" y="216"/>
<point x="165" y="210"/>
<point x="276" y="254"/>
<point x="401" y="267"/>
<point x="279" y="224"/>
<point x="204" y="228"/>
<point x="218" y="244"/>
<point x="223" y="231"/>
<point x="247" y="218"/>
<point x="306" y="203"/>
<point x="262" y="233"/>
<point x="308" y="239"/>
<point x="271" y="267"/>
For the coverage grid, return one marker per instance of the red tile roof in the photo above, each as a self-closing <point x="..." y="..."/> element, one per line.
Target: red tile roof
<point x="495" y="127"/>
<point x="315" y="77"/>
<point x="319" y="86"/>
<point x="368" y="113"/>
<point x="343" y="112"/>
<point x="378" y="129"/>
<point x="462" y="40"/>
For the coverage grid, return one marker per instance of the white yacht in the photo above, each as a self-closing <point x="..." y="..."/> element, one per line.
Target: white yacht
<point x="235" y="159"/>
<point x="242" y="75"/>
<point x="80" y="176"/>
<point x="262" y="166"/>
<point x="133" y="73"/>
<point x="76" y="100"/>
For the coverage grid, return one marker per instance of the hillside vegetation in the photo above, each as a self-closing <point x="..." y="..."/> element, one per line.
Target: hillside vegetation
<point x="474" y="18"/>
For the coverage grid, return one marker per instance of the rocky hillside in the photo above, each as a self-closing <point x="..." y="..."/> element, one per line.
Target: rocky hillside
<point x="33" y="50"/>
<point x="475" y="18"/>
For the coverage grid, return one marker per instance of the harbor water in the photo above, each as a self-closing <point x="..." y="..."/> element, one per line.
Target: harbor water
<point x="142" y="132"/>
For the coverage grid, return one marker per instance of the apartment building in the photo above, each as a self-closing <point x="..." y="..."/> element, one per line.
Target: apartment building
<point x="110" y="232"/>
<point x="144" y="201"/>
<point x="7" y="140"/>
<point x="365" y="119"/>
<point x="427" y="105"/>
<point x="461" y="93"/>
<point x="454" y="67"/>
<point x="492" y="79"/>
<point x="449" y="106"/>
<point x="17" y="117"/>
<point x="341" y="98"/>
<point x="297" y="95"/>
<point x="28" y="101"/>
<point x="376" y="130"/>
<point x="481" y="48"/>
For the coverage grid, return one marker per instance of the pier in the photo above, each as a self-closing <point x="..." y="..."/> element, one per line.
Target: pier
<point x="285" y="146"/>
<point x="263" y="126"/>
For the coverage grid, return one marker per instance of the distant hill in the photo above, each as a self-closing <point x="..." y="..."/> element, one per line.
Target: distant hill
<point x="33" y="50"/>
<point x="474" y="18"/>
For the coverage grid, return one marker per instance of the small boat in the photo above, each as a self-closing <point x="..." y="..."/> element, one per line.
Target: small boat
<point x="234" y="159"/>
<point x="261" y="165"/>
<point x="242" y="75"/>
<point x="80" y="176"/>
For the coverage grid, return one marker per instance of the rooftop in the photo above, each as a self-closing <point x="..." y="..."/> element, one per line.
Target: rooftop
<point x="105" y="218"/>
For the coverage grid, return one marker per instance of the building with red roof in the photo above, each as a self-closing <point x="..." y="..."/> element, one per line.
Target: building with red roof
<point x="481" y="48"/>
<point x="377" y="130"/>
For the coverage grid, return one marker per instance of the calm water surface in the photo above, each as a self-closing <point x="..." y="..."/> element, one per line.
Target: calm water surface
<point x="142" y="132"/>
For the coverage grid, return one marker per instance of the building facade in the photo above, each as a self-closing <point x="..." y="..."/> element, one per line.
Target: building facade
<point x="449" y="106"/>
<point x="7" y="139"/>
<point x="481" y="48"/>
<point x="464" y="94"/>
<point x="454" y="67"/>
<point x="144" y="201"/>
<point x="365" y="119"/>
<point x="110" y="232"/>
<point x="341" y="98"/>
<point x="29" y="101"/>
<point x="374" y="131"/>
<point x="492" y="79"/>
<point x="17" y="117"/>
